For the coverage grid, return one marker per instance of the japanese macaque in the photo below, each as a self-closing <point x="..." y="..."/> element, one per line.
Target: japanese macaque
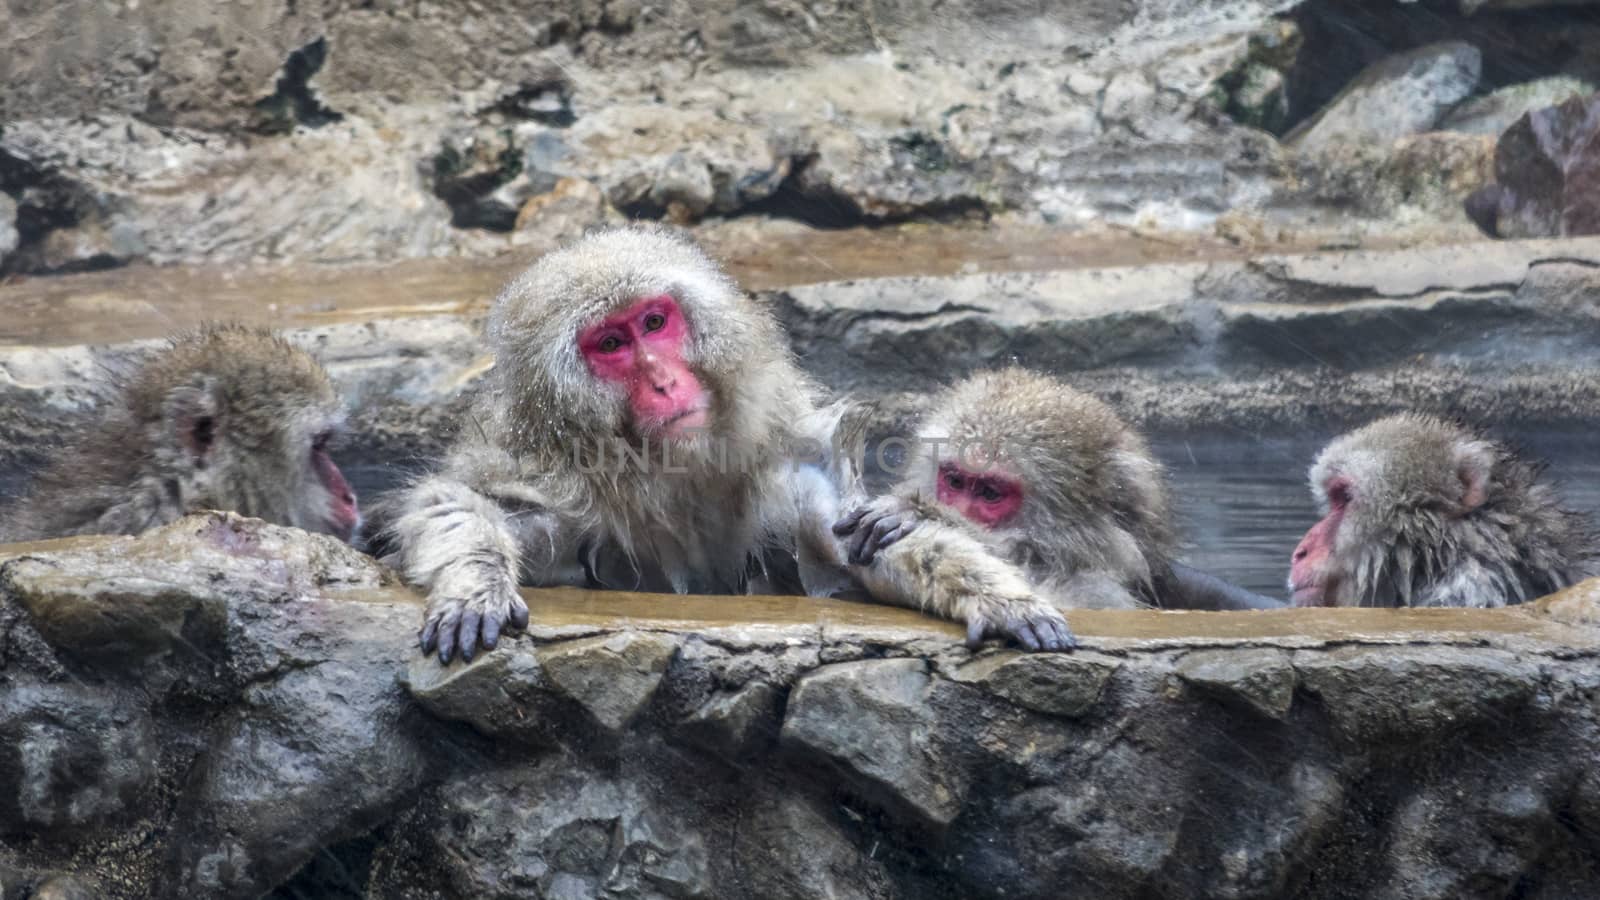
<point x="1417" y="511"/>
<point x="1054" y="483"/>
<point x="645" y="427"/>
<point x="226" y="417"/>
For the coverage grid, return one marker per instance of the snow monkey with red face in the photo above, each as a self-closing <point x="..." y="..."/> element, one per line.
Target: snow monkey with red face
<point x="1052" y="481"/>
<point x="1417" y="511"/>
<point x="225" y="417"/>
<point x="645" y="427"/>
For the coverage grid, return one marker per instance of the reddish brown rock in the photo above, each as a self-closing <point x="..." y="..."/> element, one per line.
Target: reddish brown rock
<point x="1547" y="175"/>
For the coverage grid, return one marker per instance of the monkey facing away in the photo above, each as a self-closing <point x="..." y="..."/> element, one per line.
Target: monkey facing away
<point x="1417" y="511"/>
<point x="225" y="417"/>
<point x="1051" y="480"/>
<point x="645" y="427"/>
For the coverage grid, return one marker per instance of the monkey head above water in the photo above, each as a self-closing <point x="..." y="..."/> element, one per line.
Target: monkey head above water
<point x="636" y="333"/>
<point x="1052" y="480"/>
<point x="645" y="427"/>
<point x="1048" y="477"/>
<point x="1417" y="511"/>
<point x="225" y="417"/>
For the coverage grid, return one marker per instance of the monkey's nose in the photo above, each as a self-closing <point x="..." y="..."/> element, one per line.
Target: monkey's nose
<point x="1300" y="553"/>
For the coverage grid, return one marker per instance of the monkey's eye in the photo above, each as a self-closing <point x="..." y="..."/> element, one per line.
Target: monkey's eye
<point x="987" y="493"/>
<point x="655" y="321"/>
<point x="955" y="481"/>
<point x="610" y="344"/>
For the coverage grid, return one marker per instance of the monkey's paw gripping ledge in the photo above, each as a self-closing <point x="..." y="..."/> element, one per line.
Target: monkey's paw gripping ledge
<point x="223" y="708"/>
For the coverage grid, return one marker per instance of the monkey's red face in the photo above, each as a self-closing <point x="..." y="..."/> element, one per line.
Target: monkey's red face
<point x="642" y="349"/>
<point x="343" y="514"/>
<point x="1312" y="577"/>
<point x="988" y="499"/>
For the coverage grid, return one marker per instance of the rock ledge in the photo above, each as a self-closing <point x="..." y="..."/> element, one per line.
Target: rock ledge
<point x="223" y="708"/>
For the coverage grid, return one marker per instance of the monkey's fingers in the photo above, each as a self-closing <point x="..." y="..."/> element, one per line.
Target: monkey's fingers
<point x="516" y="616"/>
<point x="1041" y="629"/>
<point x="449" y="622"/>
<point x="848" y="524"/>
<point x="858" y="547"/>
<point x="462" y="629"/>
<point x="430" y="633"/>
<point x="1055" y="635"/>
<point x="976" y="628"/>
<point x="468" y="636"/>
<point x="491" y="632"/>
<point x="879" y="538"/>
<point x="895" y="534"/>
<point x="1024" y="634"/>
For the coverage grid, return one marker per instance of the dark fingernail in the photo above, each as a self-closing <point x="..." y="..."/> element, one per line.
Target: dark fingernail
<point x="519" y="614"/>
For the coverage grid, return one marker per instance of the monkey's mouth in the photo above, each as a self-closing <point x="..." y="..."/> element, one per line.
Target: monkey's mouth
<point x="686" y="423"/>
<point x="1313" y="593"/>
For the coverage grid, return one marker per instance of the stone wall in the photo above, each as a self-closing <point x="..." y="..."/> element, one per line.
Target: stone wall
<point x="227" y="709"/>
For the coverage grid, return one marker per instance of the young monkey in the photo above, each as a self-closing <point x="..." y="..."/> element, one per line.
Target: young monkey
<point x="1049" y="479"/>
<point x="1417" y="511"/>
<point x="225" y="417"/>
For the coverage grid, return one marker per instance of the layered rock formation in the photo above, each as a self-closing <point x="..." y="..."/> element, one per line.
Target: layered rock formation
<point x="227" y="709"/>
<point x="176" y="131"/>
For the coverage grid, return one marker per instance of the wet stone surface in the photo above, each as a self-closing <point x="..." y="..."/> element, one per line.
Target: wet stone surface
<point x="267" y="728"/>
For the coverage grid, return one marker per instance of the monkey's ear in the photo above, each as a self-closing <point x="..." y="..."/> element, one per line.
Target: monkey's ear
<point x="1474" y="460"/>
<point x="191" y="418"/>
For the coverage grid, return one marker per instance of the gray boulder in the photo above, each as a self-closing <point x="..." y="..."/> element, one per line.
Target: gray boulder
<point x="1493" y="113"/>
<point x="1405" y="94"/>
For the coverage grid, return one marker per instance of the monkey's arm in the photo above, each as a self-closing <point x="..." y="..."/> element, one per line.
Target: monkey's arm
<point x="458" y="545"/>
<point x="464" y="535"/>
<point x="940" y="568"/>
<point x="1190" y="588"/>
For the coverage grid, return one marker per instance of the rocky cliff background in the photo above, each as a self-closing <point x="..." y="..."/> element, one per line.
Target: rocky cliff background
<point x="175" y="131"/>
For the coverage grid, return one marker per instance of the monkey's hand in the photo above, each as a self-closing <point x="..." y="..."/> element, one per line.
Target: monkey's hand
<point x="1032" y="623"/>
<point x="876" y="526"/>
<point x="467" y="607"/>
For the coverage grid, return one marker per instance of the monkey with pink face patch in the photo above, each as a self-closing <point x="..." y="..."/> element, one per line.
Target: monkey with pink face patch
<point x="224" y="417"/>
<point x="1050" y="480"/>
<point x="1417" y="511"/>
